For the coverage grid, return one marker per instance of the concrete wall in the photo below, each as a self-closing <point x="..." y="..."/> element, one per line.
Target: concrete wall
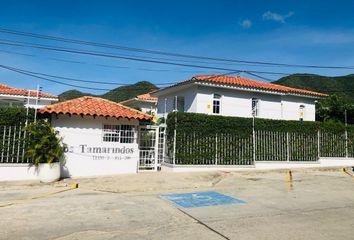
<point x="238" y="103"/>
<point x="81" y="133"/>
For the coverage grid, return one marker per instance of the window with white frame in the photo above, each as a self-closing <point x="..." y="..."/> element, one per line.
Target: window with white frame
<point x="216" y="103"/>
<point x="255" y="107"/>
<point x="301" y="112"/>
<point x="178" y="104"/>
<point x="119" y="133"/>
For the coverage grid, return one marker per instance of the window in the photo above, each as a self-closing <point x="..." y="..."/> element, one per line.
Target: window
<point x="301" y="112"/>
<point x="255" y="107"/>
<point x="216" y="103"/>
<point x="179" y="100"/>
<point x="119" y="133"/>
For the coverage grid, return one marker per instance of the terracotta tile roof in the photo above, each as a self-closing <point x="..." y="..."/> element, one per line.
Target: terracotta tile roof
<point x="142" y="97"/>
<point x="94" y="106"/>
<point x="146" y="97"/>
<point x="7" y="90"/>
<point x="249" y="83"/>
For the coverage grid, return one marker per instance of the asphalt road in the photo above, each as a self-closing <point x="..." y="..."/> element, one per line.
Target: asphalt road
<point x="320" y="206"/>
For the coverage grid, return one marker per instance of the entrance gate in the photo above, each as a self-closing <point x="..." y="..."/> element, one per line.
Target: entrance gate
<point x="151" y="145"/>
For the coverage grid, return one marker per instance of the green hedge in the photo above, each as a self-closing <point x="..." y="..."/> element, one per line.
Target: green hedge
<point x="11" y="116"/>
<point x="196" y="139"/>
<point x="212" y="124"/>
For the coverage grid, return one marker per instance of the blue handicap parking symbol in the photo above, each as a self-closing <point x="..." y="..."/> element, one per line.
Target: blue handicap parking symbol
<point x="201" y="199"/>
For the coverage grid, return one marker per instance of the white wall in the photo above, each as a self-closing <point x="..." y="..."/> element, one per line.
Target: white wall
<point x="80" y="132"/>
<point x="291" y="105"/>
<point x="238" y="103"/>
<point x="190" y="101"/>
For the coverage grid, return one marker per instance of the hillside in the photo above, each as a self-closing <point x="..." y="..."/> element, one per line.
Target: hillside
<point x="123" y="93"/>
<point x="342" y="85"/>
<point x="118" y="94"/>
<point x="71" y="94"/>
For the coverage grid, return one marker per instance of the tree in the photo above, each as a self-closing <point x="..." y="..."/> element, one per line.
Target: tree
<point x="333" y="108"/>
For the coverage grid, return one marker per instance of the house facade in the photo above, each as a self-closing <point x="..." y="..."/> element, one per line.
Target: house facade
<point x="144" y="102"/>
<point x="237" y="97"/>
<point x="101" y="136"/>
<point x="16" y="97"/>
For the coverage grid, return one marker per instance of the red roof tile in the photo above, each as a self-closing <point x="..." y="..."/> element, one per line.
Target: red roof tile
<point x="94" y="106"/>
<point x="249" y="83"/>
<point x="146" y="97"/>
<point x="7" y="90"/>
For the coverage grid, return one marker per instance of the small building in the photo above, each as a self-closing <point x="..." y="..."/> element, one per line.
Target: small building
<point x="145" y="102"/>
<point x="238" y="97"/>
<point x="17" y="97"/>
<point x="101" y="136"/>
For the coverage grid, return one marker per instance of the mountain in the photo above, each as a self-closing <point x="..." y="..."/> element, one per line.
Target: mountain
<point x="71" y="94"/>
<point x="117" y="95"/>
<point x="125" y="92"/>
<point x="341" y="85"/>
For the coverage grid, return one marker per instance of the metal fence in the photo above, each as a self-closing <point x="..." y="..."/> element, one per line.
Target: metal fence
<point x="230" y="149"/>
<point x="12" y="144"/>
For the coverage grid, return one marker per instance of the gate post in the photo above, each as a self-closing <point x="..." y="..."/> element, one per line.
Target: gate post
<point x="287" y="147"/>
<point x="156" y="147"/>
<point x="318" y="144"/>
<point x="346" y="144"/>
<point x="174" y="146"/>
<point x="216" y="149"/>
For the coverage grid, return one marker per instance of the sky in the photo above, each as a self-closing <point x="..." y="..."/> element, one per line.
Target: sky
<point x="292" y="32"/>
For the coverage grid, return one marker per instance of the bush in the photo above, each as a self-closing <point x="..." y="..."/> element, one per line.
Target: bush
<point x="43" y="144"/>
<point x="11" y="116"/>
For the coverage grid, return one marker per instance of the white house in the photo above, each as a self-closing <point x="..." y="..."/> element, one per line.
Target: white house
<point x="12" y="97"/>
<point x="101" y="135"/>
<point x="145" y="102"/>
<point x="238" y="97"/>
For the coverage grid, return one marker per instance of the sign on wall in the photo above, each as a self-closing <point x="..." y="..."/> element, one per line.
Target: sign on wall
<point x="102" y="152"/>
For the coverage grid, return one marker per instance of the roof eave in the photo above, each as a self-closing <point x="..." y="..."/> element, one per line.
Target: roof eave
<point x="44" y="111"/>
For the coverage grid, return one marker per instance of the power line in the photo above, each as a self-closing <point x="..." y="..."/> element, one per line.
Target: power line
<point x="87" y="81"/>
<point x="50" y="80"/>
<point x="100" y="65"/>
<point x="141" y="50"/>
<point x="109" y="55"/>
<point x="35" y="75"/>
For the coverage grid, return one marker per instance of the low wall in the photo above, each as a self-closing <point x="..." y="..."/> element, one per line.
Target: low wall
<point x="266" y="165"/>
<point x="17" y="172"/>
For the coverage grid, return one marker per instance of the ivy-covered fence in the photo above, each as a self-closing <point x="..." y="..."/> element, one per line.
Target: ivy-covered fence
<point x="199" y="139"/>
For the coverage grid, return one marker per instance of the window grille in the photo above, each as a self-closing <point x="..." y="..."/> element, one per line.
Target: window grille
<point x="118" y="133"/>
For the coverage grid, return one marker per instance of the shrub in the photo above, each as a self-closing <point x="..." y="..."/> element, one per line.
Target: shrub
<point x="43" y="143"/>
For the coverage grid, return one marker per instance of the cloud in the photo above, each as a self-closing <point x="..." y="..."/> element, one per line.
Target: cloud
<point x="246" y="23"/>
<point x="276" y="16"/>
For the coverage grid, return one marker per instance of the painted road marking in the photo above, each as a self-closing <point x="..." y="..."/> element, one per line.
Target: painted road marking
<point x="201" y="199"/>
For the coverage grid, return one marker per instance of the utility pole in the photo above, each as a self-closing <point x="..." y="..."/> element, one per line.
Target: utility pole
<point x="36" y="105"/>
<point x="39" y="89"/>
<point x="27" y="106"/>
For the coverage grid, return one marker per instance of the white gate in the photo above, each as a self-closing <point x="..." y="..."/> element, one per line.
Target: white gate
<point x="149" y="144"/>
